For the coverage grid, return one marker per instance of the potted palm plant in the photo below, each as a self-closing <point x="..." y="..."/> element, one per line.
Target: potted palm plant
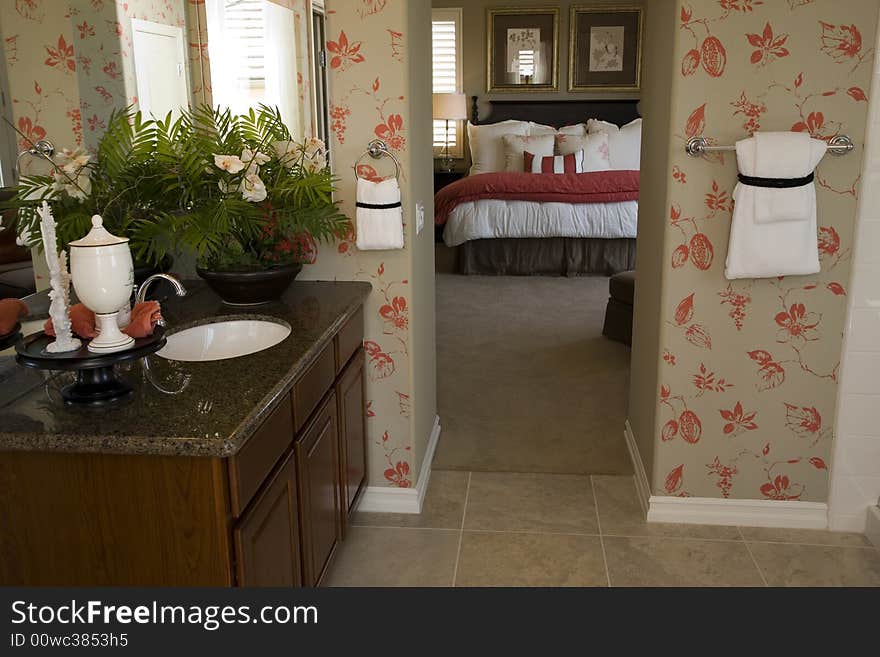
<point x="235" y="191"/>
<point x="119" y="181"/>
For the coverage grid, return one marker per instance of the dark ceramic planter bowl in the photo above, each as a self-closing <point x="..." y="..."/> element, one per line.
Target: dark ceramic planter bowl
<point x="250" y="288"/>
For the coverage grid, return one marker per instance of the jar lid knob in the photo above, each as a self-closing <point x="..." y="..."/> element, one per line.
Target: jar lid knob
<point x="97" y="221"/>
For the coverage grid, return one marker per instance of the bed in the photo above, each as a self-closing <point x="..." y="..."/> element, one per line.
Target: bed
<point x="515" y="223"/>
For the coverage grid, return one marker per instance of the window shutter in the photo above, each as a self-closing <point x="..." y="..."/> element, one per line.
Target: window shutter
<point x="446" y="70"/>
<point x="243" y="22"/>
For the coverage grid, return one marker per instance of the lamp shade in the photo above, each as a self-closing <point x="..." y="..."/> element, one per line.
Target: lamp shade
<point x="450" y="106"/>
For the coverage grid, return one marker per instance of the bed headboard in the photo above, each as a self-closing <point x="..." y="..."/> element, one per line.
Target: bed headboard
<point x="557" y="112"/>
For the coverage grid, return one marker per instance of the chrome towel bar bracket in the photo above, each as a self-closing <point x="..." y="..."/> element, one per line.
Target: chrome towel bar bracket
<point x="696" y="146"/>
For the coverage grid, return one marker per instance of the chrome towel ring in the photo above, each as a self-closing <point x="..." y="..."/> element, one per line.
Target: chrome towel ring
<point x="378" y="149"/>
<point x="42" y="149"/>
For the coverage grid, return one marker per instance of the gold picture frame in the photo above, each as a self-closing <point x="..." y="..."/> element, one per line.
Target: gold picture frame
<point x="522" y="23"/>
<point x="624" y="29"/>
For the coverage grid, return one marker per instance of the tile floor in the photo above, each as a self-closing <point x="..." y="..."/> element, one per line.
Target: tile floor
<point x="506" y="529"/>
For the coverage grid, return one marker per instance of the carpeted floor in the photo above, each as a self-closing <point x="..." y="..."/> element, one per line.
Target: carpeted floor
<point x="526" y="382"/>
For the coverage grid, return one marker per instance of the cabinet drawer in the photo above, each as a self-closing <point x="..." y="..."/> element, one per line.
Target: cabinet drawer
<point x="349" y="339"/>
<point x="255" y="460"/>
<point x="312" y="386"/>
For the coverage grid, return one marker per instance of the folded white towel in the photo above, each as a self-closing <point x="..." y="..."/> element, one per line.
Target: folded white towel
<point x="772" y="248"/>
<point x="379" y="228"/>
<point x="785" y="155"/>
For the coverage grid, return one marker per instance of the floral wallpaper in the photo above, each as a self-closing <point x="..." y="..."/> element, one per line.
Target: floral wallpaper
<point x="70" y="63"/>
<point x="748" y="369"/>
<point x="368" y="100"/>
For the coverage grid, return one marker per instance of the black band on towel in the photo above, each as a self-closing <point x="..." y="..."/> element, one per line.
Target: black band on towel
<point x="378" y="206"/>
<point x="776" y="183"/>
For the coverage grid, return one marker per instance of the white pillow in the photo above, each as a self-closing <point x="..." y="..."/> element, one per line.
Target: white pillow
<point x="487" y="148"/>
<point x="597" y="125"/>
<point x="626" y="146"/>
<point x="515" y="145"/>
<point x="595" y="148"/>
<point x="539" y="129"/>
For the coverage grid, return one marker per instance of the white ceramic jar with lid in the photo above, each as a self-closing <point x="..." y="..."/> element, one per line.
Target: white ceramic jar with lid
<point x="102" y="272"/>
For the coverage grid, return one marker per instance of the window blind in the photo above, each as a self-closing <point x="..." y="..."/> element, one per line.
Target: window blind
<point x="446" y="70"/>
<point x="244" y="26"/>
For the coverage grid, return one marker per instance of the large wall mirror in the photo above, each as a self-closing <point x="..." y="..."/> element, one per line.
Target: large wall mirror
<point x="66" y="65"/>
<point x="258" y="50"/>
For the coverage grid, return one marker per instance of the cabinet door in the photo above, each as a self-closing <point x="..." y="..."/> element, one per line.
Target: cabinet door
<point x="352" y="431"/>
<point x="267" y="537"/>
<point x="317" y="457"/>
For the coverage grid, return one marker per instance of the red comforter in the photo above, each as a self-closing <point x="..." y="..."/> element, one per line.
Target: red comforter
<point x="593" y="187"/>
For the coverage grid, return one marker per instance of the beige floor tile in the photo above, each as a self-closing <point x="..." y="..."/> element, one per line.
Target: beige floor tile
<point x="804" y="536"/>
<point x="811" y="565"/>
<point x="679" y="562"/>
<point x="517" y="559"/>
<point x="503" y="501"/>
<point x="442" y="509"/>
<point x="620" y="514"/>
<point x="378" y="556"/>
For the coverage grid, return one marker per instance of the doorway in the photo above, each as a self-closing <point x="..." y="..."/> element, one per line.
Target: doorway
<point x="160" y="67"/>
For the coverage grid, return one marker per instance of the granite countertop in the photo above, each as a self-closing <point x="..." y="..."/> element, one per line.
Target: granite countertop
<point x="189" y="409"/>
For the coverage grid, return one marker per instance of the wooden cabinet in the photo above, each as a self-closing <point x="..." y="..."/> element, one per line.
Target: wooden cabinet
<point x="271" y="515"/>
<point x="317" y="455"/>
<point x="351" y="403"/>
<point x="267" y="538"/>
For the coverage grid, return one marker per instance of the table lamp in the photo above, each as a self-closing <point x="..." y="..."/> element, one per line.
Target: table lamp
<point x="449" y="107"/>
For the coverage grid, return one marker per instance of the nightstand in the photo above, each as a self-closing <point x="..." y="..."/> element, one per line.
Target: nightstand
<point x="443" y="178"/>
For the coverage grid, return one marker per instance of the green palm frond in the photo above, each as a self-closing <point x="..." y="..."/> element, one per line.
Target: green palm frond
<point x="156" y="181"/>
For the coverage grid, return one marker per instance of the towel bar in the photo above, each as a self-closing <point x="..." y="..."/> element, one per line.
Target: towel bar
<point x="696" y="146"/>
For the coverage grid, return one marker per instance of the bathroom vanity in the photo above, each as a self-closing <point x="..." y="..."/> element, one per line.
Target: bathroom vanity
<point x="235" y="472"/>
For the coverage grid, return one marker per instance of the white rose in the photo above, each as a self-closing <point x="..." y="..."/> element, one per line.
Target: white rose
<point x="229" y="163"/>
<point x="253" y="189"/>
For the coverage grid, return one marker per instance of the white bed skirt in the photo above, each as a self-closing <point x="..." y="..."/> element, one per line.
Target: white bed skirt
<point x="488" y="218"/>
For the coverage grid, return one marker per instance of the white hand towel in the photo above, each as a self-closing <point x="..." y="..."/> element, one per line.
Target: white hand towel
<point x="776" y="248"/>
<point x="785" y="155"/>
<point x="379" y="228"/>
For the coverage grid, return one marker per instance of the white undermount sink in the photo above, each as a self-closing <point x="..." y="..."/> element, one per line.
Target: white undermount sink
<point x="229" y="339"/>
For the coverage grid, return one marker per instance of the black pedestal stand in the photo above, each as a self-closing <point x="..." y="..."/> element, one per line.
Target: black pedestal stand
<point x="97" y="382"/>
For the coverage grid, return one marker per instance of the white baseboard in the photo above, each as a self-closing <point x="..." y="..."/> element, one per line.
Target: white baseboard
<point x="389" y="499"/>
<point x="721" y="511"/>
<point x="744" y="513"/>
<point x="643" y="486"/>
<point x="872" y="527"/>
<point x="847" y="522"/>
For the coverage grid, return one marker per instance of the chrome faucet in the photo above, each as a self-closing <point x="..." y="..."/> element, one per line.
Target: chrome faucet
<point x="141" y="295"/>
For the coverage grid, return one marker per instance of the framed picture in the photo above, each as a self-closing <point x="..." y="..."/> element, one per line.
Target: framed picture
<point x="605" y="49"/>
<point x="523" y="49"/>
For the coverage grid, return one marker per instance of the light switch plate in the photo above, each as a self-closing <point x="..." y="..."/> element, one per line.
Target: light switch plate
<point x="420" y="217"/>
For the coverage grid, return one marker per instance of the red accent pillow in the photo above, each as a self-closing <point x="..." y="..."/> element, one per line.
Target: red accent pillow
<point x="571" y="163"/>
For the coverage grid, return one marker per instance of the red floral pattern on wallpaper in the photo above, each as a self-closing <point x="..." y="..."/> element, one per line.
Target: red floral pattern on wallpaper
<point x="366" y="102"/>
<point x="397" y="472"/>
<point x="805" y="66"/>
<point x="768" y="46"/>
<point x="344" y="54"/>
